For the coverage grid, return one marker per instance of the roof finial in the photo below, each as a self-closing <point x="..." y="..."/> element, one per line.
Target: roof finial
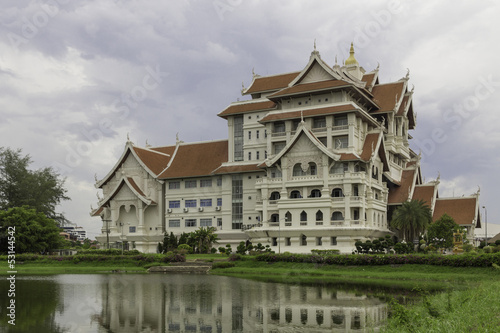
<point x="378" y="65"/>
<point x="314" y="44"/>
<point x="95" y="177"/>
<point x="351" y="60"/>
<point x="242" y="87"/>
<point x="301" y="116"/>
<point x="128" y="137"/>
<point x="439" y="176"/>
<point x="408" y="73"/>
<point x="335" y="60"/>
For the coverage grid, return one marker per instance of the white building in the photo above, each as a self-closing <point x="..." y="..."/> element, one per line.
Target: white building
<point x="316" y="159"/>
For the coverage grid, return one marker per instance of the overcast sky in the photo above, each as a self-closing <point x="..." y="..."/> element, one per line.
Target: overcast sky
<point x="77" y="76"/>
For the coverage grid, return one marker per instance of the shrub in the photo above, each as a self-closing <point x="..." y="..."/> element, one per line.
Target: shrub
<point x="222" y="249"/>
<point x="223" y="264"/>
<point x="234" y="257"/>
<point x="184" y="249"/>
<point x="322" y="252"/>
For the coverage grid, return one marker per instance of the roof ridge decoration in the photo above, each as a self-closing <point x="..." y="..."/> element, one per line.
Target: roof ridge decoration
<point x="301" y="128"/>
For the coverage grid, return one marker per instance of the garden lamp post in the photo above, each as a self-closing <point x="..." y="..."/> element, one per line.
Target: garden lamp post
<point x="485" y="226"/>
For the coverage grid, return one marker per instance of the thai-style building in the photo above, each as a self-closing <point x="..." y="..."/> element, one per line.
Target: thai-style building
<point x="315" y="159"/>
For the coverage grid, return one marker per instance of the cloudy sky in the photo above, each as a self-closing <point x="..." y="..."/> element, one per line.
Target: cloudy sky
<point x="77" y="76"/>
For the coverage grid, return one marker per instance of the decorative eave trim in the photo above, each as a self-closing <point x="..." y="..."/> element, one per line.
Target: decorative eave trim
<point x="128" y="181"/>
<point x="301" y="129"/>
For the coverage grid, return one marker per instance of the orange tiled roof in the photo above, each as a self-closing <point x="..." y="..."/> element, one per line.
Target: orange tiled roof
<point x="400" y="194"/>
<point x="246" y="107"/>
<point x="368" y="78"/>
<point x="369" y="146"/>
<point x="237" y="169"/>
<point x="155" y="161"/>
<point x="308" y="113"/>
<point x="385" y="95"/>
<point x="135" y="186"/>
<point x="424" y="193"/>
<point x="462" y="210"/>
<point x="196" y="159"/>
<point x="308" y="87"/>
<point x="402" y="106"/>
<point x="270" y="83"/>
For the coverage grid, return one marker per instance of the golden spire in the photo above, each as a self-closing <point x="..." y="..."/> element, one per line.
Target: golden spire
<point x="351" y="60"/>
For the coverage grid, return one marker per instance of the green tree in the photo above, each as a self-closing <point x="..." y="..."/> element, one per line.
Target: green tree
<point x="203" y="238"/>
<point x="34" y="232"/>
<point x="440" y="232"/>
<point x="412" y="218"/>
<point x="41" y="189"/>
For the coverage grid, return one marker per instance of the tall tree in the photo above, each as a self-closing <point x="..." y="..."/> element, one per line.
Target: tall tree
<point x="34" y="232"/>
<point x="412" y="218"/>
<point x="41" y="189"/>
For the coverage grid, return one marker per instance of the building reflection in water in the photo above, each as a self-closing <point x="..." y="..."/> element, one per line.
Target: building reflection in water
<point x="205" y="303"/>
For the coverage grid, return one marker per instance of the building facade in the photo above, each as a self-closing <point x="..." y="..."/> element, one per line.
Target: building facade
<point x="315" y="159"/>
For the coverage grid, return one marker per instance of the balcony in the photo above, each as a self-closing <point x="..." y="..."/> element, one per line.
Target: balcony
<point x="278" y="134"/>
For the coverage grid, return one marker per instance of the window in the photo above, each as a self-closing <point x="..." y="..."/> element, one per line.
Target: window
<point x="257" y="134"/>
<point x="238" y="138"/>
<point x="219" y="222"/>
<point x="275" y="196"/>
<point x="337" y="193"/>
<point x="288" y="217"/>
<point x="249" y="135"/>
<point x="319" y="215"/>
<point x="315" y="194"/>
<point x="340" y="121"/>
<point x="355" y="190"/>
<point x="288" y="241"/>
<point x="303" y="240"/>
<point x="339" y="168"/>
<point x="265" y="133"/>
<point x="279" y="127"/>
<point x="174" y="223"/>
<point x="219" y="181"/>
<point x="190" y="223"/>
<point x="337" y="216"/>
<point x="257" y="155"/>
<point x="174" y="204"/>
<point x="340" y="142"/>
<point x="205" y="222"/>
<point x="275" y="218"/>
<point x="237" y="202"/>
<point x="319" y="122"/>
<point x="265" y="153"/>
<point x="278" y="146"/>
<point x="174" y="185"/>
<point x="219" y="202"/>
<point x="205" y="202"/>
<point x="190" y="203"/>
<point x="249" y="155"/>
<point x="274" y="241"/>
<point x="190" y="184"/>
<point x="295" y="194"/>
<point x="355" y="214"/>
<point x="131" y="229"/>
<point x="206" y="183"/>
<point x="303" y="216"/>
<point x="275" y="173"/>
<point x="333" y="240"/>
<point x="319" y="241"/>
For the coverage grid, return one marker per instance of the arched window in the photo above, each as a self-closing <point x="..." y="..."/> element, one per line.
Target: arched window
<point x="303" y="240"/>
<point x="303" y="216"/>
<point x="275" y="218"/>
<point x="295" y="194"/>
<point x="337" y="193"/>
<point x="312" y="170"/>
<point x="337" y="216"/>
<point x="319" y="215"/>
<point x="315" y="193"/>
<point x="275" y="195"/>
<point x="288" y="217"/>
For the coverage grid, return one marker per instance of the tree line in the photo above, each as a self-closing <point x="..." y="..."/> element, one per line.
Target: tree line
<point x="28" y="202"/>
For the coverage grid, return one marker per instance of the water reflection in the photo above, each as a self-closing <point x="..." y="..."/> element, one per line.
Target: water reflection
<point x="191" y="303"/>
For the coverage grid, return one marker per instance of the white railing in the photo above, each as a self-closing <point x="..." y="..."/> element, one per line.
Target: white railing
<point x="340" y="127"/>
<point x="319" y="129"/>
<point x="336" y="223"/>
<point x="277" y="134"/>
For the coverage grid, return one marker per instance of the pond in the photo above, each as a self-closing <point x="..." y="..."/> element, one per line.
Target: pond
<point x="185" y="303"/>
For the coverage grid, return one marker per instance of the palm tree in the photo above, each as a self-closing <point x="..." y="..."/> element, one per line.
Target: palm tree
<point x="204" y="238"/>
<point x="412" y="218"/>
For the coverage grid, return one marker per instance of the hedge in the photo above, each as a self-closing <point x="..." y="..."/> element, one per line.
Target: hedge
<point x="138" y="258"/>
<point x="455" y="260"/>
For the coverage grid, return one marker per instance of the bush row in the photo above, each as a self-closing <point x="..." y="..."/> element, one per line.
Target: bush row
<point x="460" y="260"/>
<point x="139" y="258"/>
